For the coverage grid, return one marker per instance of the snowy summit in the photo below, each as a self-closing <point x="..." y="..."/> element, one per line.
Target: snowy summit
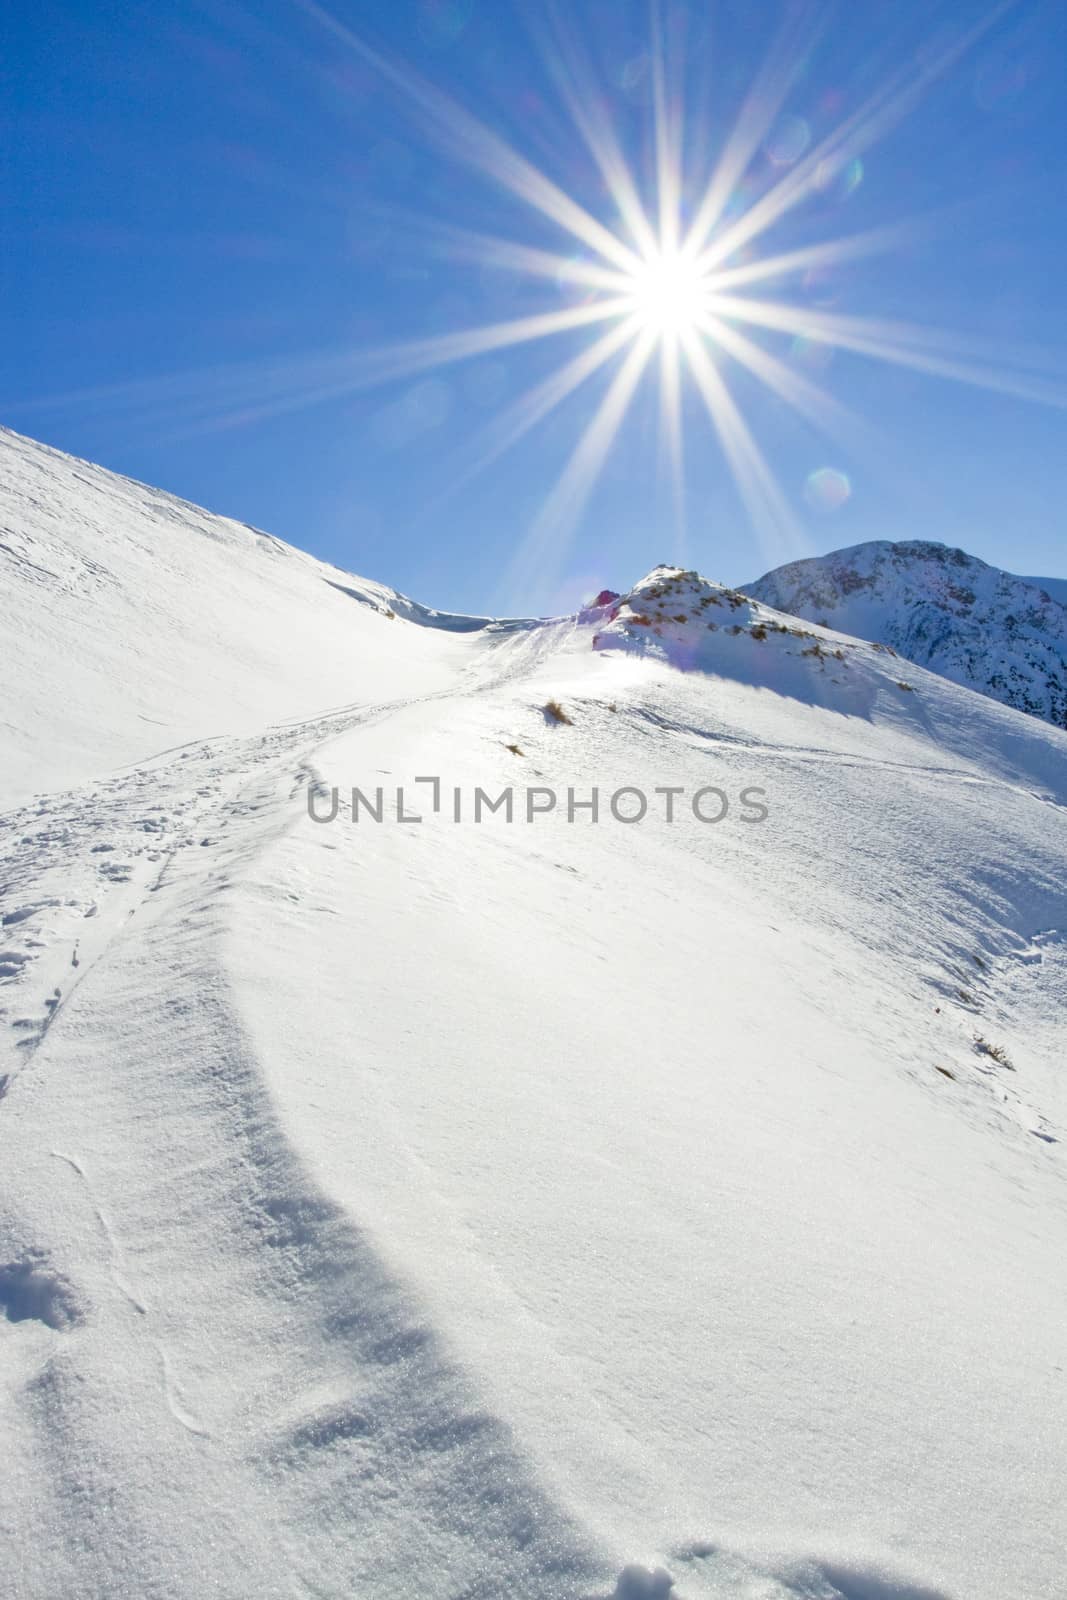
<point x="1002" y="635"/>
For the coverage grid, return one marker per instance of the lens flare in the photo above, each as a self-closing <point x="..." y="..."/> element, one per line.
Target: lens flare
<point x="788" y="142"/>
<point x="826" y="489"/>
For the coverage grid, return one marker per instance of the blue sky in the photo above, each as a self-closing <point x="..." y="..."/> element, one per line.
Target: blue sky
<point x="219" y="214"/>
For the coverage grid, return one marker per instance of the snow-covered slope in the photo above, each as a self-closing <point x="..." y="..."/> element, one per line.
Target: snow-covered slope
<point x="133" y="621"/>
<point x="1055" y="588"/>
<point x="540" y="1208"/>
<point x="1002" y="635"/>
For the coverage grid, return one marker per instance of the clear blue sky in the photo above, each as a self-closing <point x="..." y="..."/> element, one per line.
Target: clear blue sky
<point x="214" y="208"/>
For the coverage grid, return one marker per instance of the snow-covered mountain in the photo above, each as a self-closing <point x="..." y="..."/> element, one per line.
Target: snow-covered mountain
<point x="133" y="619"/>
<point x="652" y="1186"/>
<point x="1002" y="635"/>
<point x="1055" y="588"/>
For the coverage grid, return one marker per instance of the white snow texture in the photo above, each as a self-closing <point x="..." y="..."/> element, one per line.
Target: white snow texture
<point x="537" y="1208"/>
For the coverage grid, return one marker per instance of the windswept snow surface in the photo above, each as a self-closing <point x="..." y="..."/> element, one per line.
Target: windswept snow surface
<point x="543" y="1209"/>
<point x="134" y="621"/>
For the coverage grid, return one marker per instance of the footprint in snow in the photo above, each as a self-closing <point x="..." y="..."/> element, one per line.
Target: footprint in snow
<point x="638" y="1583"/>
<point x="23" y="913"/>
<point x="31" y="1292"/>
<point x="116" y="871"/>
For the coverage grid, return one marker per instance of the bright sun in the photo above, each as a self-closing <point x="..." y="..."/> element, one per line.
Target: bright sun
<point x="670" y="293"/>
<point x="682" y="276"/>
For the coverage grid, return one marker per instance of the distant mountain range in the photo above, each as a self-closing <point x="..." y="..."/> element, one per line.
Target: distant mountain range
<point x="943" y="609"/>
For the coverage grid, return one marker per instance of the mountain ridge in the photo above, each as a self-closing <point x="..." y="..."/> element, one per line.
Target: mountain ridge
<point x="978" y="625"/>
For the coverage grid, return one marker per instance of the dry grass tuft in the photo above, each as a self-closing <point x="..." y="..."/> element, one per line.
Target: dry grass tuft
<point x="995" y="1052"/>
<point x="555" y="712"/>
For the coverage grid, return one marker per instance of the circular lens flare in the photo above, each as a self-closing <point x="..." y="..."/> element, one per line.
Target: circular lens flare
<point x="826" y="489"/>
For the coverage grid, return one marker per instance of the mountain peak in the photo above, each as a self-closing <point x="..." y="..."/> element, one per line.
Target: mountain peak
<point x="936" y="605"/>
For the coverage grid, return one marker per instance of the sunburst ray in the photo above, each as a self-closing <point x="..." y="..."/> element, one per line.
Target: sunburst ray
<point x="898" y="344"/>
<point x="534" y="405"/>
<point x="566" y="501"/>
<point x="647" y="277"/>
<point x="574" y="79"/>
<point x="771" y="514"/>
<point x="672" y="438"/>
<point x="471" y="141"/>
<point x="759" y="109"/>
<point x="882" y="110"/>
